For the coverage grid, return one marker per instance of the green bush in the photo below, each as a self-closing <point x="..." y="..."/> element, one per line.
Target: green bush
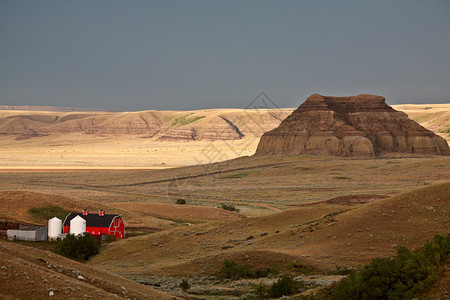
<point x="399" y="277"/>
<point x="261" y="292"/>
<point x="232" y="269"/>
<point x="341" y="271"/>
<point x="275" y="268"/>
<point x="184" y="285"/>
<point x="181" y="201"/>
<point x="285" y="286"/>
<point x="109" y="238"/>
<point x="229" y="207"/>
<point x="80" y="247"/>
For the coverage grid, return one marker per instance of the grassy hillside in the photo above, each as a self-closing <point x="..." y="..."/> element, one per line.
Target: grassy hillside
<point x="323" y="237"/>
<point x="30" y="273"/>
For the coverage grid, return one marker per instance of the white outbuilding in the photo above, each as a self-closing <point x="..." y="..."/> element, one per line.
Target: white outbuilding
<point x="77" y="225"/>
<point x="28" y="233"/>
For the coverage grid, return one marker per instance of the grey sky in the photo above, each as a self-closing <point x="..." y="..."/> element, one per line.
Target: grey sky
<point x="136" y="55"/>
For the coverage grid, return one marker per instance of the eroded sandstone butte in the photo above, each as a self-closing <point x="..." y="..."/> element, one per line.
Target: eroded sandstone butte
<point x="362" y="125"/>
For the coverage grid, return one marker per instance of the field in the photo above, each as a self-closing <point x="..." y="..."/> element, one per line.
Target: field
<point x="308" y="215"/>
<point x="257" y="186"/>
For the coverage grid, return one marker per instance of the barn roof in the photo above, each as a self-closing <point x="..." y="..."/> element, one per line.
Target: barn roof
<point x="92" y="220"/>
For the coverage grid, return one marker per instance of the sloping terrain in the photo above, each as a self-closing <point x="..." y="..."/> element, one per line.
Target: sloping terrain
<point x="323" y="237"/>
<point x="30" y="273"/>
<point x="435" y="117"/>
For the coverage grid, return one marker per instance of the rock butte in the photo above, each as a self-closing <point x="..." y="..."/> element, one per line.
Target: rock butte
<point x="362" y="125"/>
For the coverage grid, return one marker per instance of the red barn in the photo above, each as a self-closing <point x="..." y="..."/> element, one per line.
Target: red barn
<point x="98" y="224"/>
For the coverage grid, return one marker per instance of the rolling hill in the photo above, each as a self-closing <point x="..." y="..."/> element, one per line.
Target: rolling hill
<point x="30" y="273"/>
<point x="322" y="236"/>
<point x="150" y="139"/>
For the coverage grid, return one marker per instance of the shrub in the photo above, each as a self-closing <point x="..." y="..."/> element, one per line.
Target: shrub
<point x="275" y="268"/>
<point x="109" y="238"/>
<point x="261" y="292"/>
<point x="181" y="201"/>
<point x="80" y="247"/>
<point x="399" y="277"/>
<point x="285" y="286"/>
<point x="229" y="207"/>
<point x="341" y="271"/>
<point x="184" y="285"/>
<point x="232" y="269"/>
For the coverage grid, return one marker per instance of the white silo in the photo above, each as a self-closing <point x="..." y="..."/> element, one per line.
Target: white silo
<point x="77" y="225"/>
<point x="54" y="228"/>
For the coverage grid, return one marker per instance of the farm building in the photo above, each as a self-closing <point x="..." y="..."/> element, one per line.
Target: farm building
<point x="96" y="224"/>
<point x="28" y="233"/>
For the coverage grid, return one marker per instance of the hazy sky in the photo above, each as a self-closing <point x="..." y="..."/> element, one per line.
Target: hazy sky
<point x="137" y="55"/>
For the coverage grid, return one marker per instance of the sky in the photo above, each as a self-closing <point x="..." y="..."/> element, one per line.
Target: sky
<point x="197" y="54"/>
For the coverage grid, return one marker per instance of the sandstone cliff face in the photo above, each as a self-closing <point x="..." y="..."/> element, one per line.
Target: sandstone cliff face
<point x="362" y="125"/>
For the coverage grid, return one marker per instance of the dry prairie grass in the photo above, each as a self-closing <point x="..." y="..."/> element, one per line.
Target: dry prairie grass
<point x="30" y="273"/>
<point x="322" y="237"/>
<point x="257" y="186"/>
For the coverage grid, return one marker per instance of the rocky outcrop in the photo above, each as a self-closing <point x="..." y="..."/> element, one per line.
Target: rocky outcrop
<point x="362" y="125"/>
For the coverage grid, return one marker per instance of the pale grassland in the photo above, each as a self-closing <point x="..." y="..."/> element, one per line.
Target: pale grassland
<point x="78" y="151"/>
<point x="82" y="151"/>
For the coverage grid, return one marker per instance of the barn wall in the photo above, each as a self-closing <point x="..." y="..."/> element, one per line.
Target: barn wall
<point x="117" y="228"/>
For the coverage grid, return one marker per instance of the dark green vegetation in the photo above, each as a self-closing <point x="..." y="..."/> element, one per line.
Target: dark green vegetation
<point x="80" y="247"/>
<point x="232" y="269"/>
<point x="108" y="238"/>
<point x="181" y="201"/>
<point x="229" y="207"/>
<point x="184" y="285"/>
<point x="285" y="286"/>
<point x="341" y="271"/>
<point x="399" y="277"/>
<point x="48" y="212"/>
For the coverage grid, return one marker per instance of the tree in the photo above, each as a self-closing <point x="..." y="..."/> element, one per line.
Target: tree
<point x="80" y="247"/>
